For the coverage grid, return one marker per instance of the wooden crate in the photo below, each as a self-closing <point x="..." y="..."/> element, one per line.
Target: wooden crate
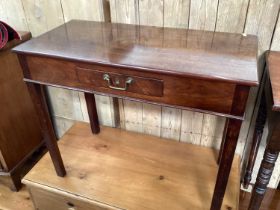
<point x="118" y="169"/>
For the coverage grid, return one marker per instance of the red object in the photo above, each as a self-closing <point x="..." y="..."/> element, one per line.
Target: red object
<point x="7" y="33"/>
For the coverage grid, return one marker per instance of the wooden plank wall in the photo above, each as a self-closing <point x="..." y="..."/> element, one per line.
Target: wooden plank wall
<point x="259" y="17"/>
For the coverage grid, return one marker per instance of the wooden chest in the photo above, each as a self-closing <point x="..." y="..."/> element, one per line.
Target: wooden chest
<point x="124" y="170"/>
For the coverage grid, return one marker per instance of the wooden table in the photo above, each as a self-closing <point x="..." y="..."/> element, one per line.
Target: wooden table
<point x="196" y="70"/>
<point x="268" y="111"/>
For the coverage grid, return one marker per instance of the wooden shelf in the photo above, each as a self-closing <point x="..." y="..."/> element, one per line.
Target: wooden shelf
<point x="127" y="170"/>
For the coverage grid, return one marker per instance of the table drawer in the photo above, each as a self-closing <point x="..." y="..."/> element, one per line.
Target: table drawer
<point x="47" y="200"/>
<point x="174" y="90"/>
<point x="120" y="82"/>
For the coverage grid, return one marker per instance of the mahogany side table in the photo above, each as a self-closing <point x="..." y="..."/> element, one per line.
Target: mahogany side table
<point x="203" y="71"/>
<point x="268" y="111"/>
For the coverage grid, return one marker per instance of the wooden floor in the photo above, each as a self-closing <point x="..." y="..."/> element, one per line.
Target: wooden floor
<point x="135" y="171"/>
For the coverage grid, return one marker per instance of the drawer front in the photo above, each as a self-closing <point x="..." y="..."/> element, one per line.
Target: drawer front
<point x="47" y="200"/>
<point x="212" y="96"/>
<point x="120" y="82"/>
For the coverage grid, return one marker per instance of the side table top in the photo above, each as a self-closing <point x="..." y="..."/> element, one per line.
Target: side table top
<point x="273" y="66"/>
<point x="202" y="54"/>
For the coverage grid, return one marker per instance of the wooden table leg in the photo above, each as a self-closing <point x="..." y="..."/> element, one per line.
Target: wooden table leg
<point x="92" y="113"/>
<point x="223" y="142"/>
<point x="261" y="118"/>
<point x="48" y="102"/>
<point x="39" y="99"/>
<point x="263" y="178"/>
<point x="226" y="160"/>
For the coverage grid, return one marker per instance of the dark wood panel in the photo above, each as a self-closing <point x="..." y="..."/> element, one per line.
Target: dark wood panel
<point x="274" y="133"/>
<point x="20" y="135"/>
<point x="179" y="91"/>
<point x="273" y="63"/>
<point x="19" y="129"/>
<point x="273" y="116"/>
<point x="135" y="84"/>
<point x="214" y="55"/>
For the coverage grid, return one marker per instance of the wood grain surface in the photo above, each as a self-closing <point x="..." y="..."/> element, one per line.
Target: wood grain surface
<point x="134" y="171"/>
<point x="198" y="94"/>
<point x="231" y="56"/>
<point x="15" y="200"/>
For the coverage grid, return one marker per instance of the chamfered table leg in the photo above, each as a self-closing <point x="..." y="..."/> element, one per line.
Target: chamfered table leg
<point x="261" y="118"/>
<point x="263" y="178"/>
<point x="231" y="138"/>
<point x="92" y="113"/>
<point x="39" y="99"/>
<point x="223" y="142"/>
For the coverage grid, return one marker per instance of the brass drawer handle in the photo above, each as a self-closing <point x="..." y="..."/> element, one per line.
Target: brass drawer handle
<point x="107" y="78"/>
